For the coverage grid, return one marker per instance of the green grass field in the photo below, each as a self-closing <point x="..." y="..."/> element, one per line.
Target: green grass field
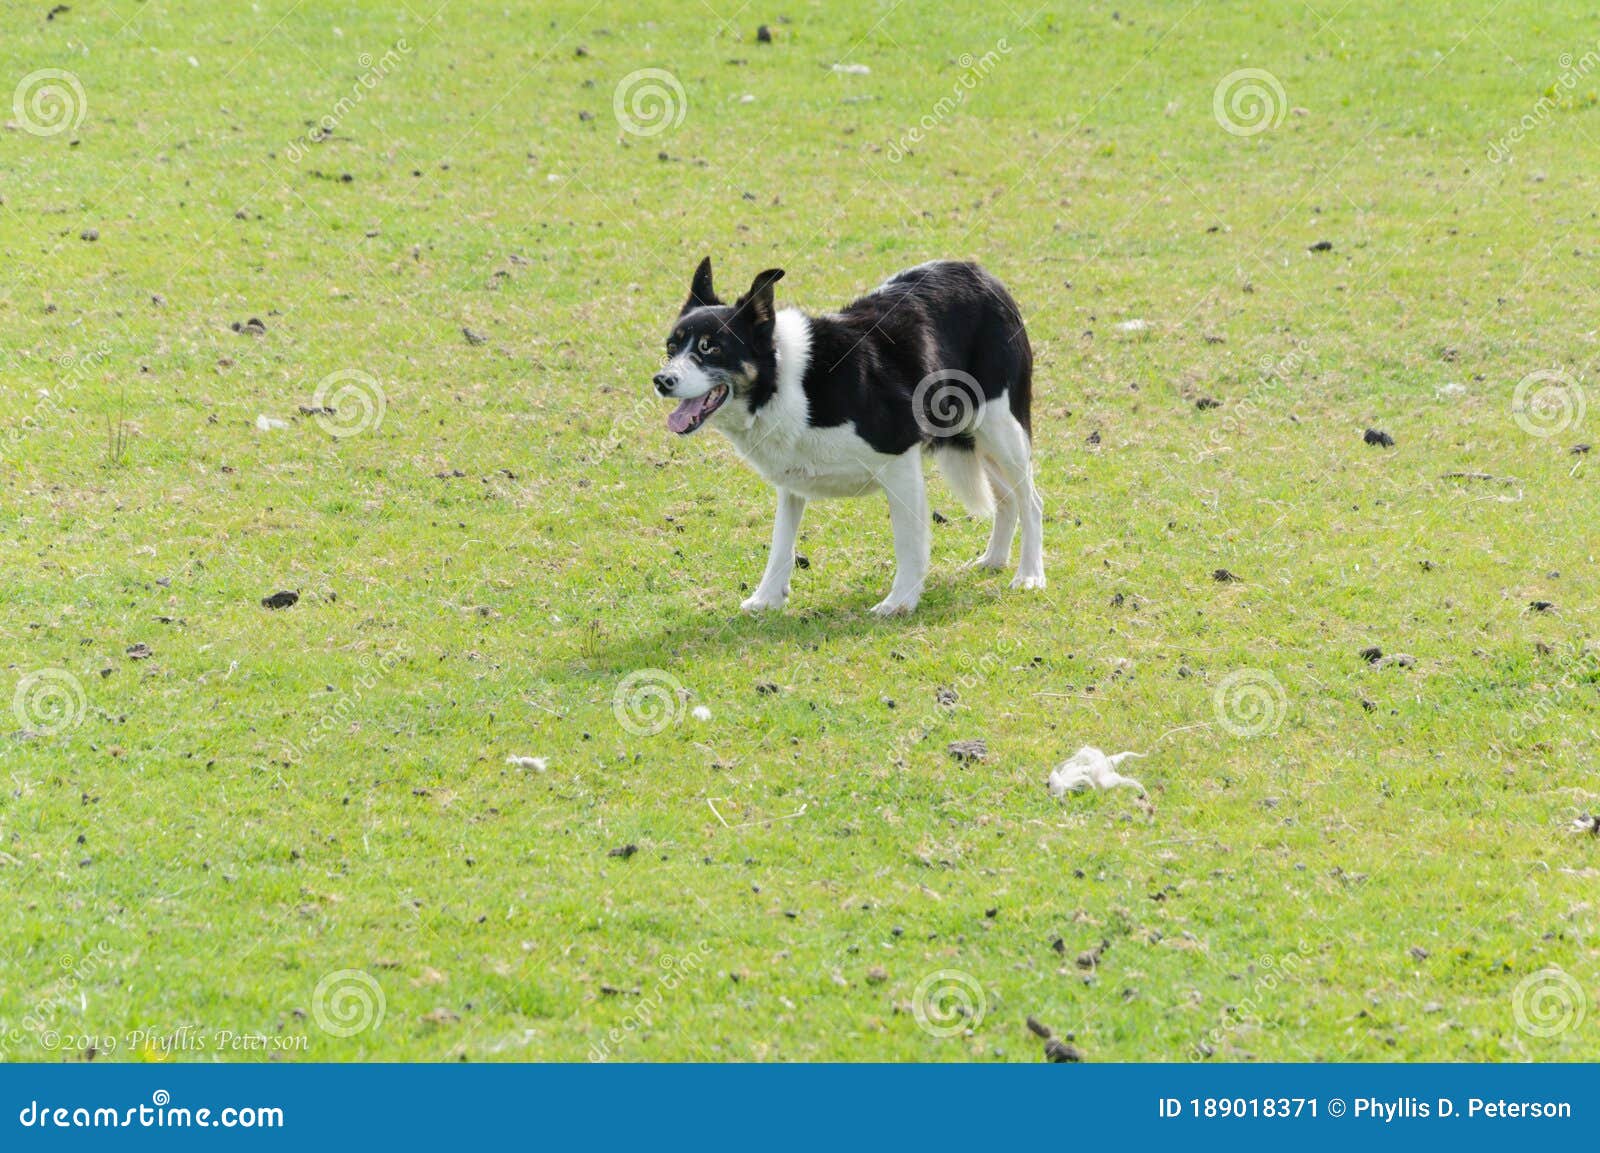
<point x="295" y="833"/>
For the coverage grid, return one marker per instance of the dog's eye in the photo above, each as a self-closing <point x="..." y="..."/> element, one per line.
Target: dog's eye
<point x="706" y="346"/>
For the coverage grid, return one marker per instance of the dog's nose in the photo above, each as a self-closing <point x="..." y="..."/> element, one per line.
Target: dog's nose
<point x="665" y="381"/>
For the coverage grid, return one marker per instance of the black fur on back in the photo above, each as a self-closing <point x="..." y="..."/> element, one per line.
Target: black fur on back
<point x="867" y="360"/>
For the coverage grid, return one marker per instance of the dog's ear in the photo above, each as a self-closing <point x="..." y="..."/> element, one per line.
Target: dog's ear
<point x="701" y="294"/>
<point x="756" y="305"/>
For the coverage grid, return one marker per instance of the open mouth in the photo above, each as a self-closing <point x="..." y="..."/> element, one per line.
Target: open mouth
<point x="692" y="413"/>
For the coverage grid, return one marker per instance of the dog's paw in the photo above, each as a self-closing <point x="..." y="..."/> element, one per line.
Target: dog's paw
<point x="1024" y="581"/>
<point x="986" y="563"/>
<point x="891" y="607"/>
<point x="761" y="604"/>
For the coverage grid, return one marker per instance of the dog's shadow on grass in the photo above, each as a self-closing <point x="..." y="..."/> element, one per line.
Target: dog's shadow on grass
<point x="689" y="637"/>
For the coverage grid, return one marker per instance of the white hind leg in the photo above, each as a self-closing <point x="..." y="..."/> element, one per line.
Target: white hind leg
<point x="998" y="554"/>
<point x="1005" y="444"/>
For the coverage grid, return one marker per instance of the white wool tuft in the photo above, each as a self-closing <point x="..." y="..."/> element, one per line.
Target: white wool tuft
<point x="1089" y="768"/>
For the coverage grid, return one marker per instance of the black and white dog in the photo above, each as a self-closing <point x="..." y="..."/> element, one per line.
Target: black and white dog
<point x="846" y="402"/>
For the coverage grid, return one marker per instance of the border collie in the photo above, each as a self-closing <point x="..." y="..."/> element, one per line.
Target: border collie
<point x="846" y="403"/>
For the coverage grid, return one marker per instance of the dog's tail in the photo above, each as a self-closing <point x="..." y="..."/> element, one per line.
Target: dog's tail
<point x="964" y="472"/>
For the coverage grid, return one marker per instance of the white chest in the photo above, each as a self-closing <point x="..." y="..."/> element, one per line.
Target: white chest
<point x="814" y="462"/>
<point x="777" y="441"/>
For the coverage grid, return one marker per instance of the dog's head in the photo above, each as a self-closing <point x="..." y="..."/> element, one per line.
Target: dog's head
<point x="717" y="351"/>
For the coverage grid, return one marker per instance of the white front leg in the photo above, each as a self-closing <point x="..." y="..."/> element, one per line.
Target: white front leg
<point x="774" y="586"/>
<point x="908" y="514"/>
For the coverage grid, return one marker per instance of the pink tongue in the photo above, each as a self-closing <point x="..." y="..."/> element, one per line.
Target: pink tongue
<point x="687" y="414"/>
